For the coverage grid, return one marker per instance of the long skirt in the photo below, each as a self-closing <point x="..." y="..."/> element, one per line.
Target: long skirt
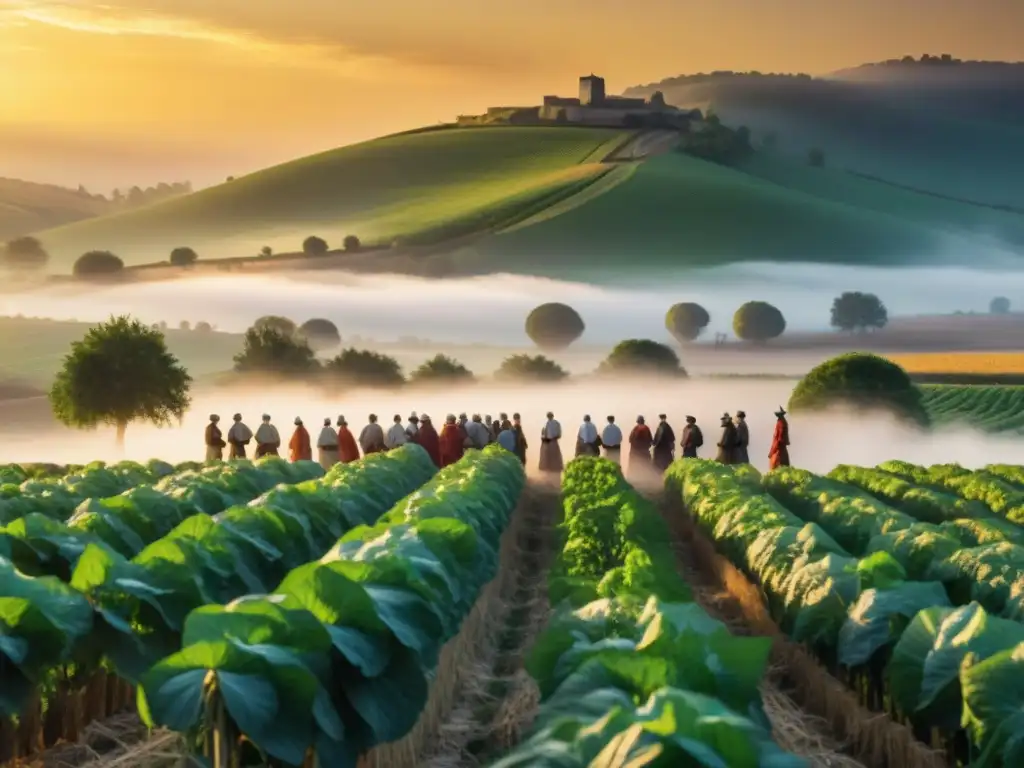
<point x="214" y="453"/>
<point x="550" y="456"/>
<point x="587" y="449"/>
<point x="237" y="451"/>
<point x="266" y="449"/>
<point x="726" y="455"/>
<point x="328" y="457"/>
<point x="613" y="454"/>
<point x="740" y="455"/>
<point x="662" y="460"/>
<point x="779" y="459"/>
<point x="638" y="458"/>
<point x="689" y="452"/>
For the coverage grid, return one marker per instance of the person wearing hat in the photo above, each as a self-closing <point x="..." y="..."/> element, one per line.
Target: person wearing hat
<point x="371" y="439"/>
<point x="348" y="451"/>
<point x="299" y="446"/>
<point x="238" y="437"/>
<point x="778" y="454"/>
<point x="664" y="444"/>
<point x="214" y="440"/>
<point x="503" y="422"/>
<point x="327" y="446"/>
<point x="550" y="453"/>
<point x="727" y="444"/>
<point x="453" y="439"/>
<point x="267" y="438"/>
<point x="587" y="439"/>
<point x="517" y="427"/>
<point x="413" y="428"/>
<point x="479" y="435"/>
<point x="428" y="439"/>
<point x="742" y="455"/>
<point x="693" y="438"/>
<point x="611" y="441"/>
<point x="396" y="437"/>
<point x="640" y="441"/>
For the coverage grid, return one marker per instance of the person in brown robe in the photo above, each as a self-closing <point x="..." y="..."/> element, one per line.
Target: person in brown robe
<point x="348" y="451"/>
<point x="517" y="427"/>
<point x="299" y="446"/>
<point x="742" y="455"/>
<point x="664" y="444"/>
<point x="778" y="454"/>
<point x="693" y="438"/>
<point x="640" y="441"/>
<point x="453" y="438"/>
<point x="427" y="438"/>
<point x="727" y="444"/>
<point x="214" y="440"/>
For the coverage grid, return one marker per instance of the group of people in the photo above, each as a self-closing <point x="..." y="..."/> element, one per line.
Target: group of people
<point x="646" y="449"/>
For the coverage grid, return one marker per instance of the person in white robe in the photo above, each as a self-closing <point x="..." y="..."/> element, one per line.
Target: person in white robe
<point x="413" y="427"/>
<point x="371" y="439"/>
<point x="550" y="453"/>
<point x="327" y="446"/>
<point x="611" y="441"/>
<point x="267" y="438"/>
<point x="587" y="438"/>
<point x="396" y="436"/>
<point x="239" y="436"/>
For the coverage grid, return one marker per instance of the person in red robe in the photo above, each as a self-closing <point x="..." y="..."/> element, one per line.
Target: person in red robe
<point x="299" y="445"/>
<point x="348" y="451"/>
<point x="453" y="438"/>
<point x="426" y="437"/>
<point x="640" y="442"/>
<point x="778" y="454"/>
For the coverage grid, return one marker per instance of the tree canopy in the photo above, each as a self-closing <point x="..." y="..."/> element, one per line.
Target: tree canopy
<point x="441" y="369"/>
<point x="526" y="369"/>
<point x="642" y="356"/>
<point x="1000" y="305"/>
<point x="267" y="349"/>
<point x="184" y="256"/>
<point x="118" y="373"/>
<point x="320" y="333"/>
<point x="314" y="246"/>
<point x="184" y="325"/>
<point x="862" y="381"/>
<point x="282" y="324"/>
<point x="854" y="310"/>
<point x="360" y="367"/>
<point x="25" y="253"/>
<point x="351" y="243"/>
<point x="554" y="326"/>
<point x="685" y="321"/>
<point x="758" y="321"/>
<point x="96" y="263"/>
<point x="203" y="327"/>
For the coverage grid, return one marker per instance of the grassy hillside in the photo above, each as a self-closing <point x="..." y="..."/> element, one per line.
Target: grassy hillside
<point x="392" y="187"/>
<point x="26" y="207"/>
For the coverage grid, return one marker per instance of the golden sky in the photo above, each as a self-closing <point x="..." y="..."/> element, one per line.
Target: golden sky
<point x="137" y="91"/>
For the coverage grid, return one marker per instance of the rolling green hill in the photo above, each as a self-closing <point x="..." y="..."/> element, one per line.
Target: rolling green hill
<point x="26" y="207"/>
<point x="441" y="182"/>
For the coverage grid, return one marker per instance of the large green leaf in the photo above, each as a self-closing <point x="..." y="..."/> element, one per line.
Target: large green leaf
<point x="879" y="617"/>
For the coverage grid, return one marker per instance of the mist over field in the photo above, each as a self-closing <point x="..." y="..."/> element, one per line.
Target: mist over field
<point x="819" y="443"/>
<point x="492" y="309"/>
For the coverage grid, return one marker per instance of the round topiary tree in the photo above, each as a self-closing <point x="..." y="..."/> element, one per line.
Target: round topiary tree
<point x="860" y="380"/>
<point x="1000" y="305"/>
<point x="642" y="356"/>
<point x="314" y="246"/>
<point x="351" y="243"/>
<point x="361" y="367"/>
<point x="554" y="326"/>
<point x="184" y="257"/>
<point x="758" y="321"/>
<point x="685" y="321"/>
<point x="282" y="324"/>
<point x="96" y="263"/>
<point x="203" y="327"/>
<point x="441" y="369"/>
<point x="24" y="253"/>
<point x="320" y="333"/>
<point x="525" y="369"/>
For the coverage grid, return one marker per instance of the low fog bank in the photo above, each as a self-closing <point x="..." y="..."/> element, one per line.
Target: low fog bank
<point x="491" y="309"/>
<point x="819" y="443"/>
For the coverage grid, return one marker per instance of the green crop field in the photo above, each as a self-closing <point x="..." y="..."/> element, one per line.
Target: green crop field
<point x="993" y="409"/>
<point x="397" y="186"/>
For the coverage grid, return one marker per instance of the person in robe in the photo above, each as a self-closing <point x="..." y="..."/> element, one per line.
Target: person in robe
<point x="348" y="451"/>
<point x="664" y="444"/>
<point x="267" y="438"/>
<point x="238" y="437"/>
<point x="327" y="446"/>
<point x="693" y="438"/>
<point x="396" y="437"/>
<point x="778" y="454"/>
<point x="214" y="440"/>
<point x="478" y="434"/>
<point x="489" y="426"/>
<point x="587" y="440"/>
<point x="453" y="438"/>
<point x="428" y="439"/>
<point x="742" y="455"/>
<point x="413" y="427"/>
<point x="516" y="425"/>
<point x="299" y="447"/>
<point x="640" y="442"/>
<point x="508" y="439"/>
<point x="727" y="443"/>
<point x="503" y="422"/>
<point x="611" y="441"/>
<point x="371" y="439"/>
<point x="550" y="453"/>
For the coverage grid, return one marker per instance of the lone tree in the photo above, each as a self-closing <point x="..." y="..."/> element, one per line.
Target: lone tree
<point x="314" y="246"/>
<point x="360" y="367"/>
<point x="24" y="253"/>
<point x="554" y="326"/>
<point x="686" y="321"/>
<point x="523" y="369"/>
<point x="441" y="369"/>
<point x="320" y="333"/>
<point x="862" y="381"/>
<point x="351" y="243"/>
<point x="269" y="350"/>
<point x="97" y="263"/>
<point x="184" y="325"/>
<point x="184" y="257"/>
<point x="642" y="356"/>
<point x="120" y="372"/>
<point x="282" y="324"/>
<point x="203" y="327"/>
<point x="854" y="310"/>
<point x="758" y="321"/>
<point x="1000" y="305"/>
<point x="266" y="252"/>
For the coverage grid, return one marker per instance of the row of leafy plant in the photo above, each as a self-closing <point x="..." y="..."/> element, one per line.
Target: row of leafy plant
<point x="630" y="670"/>
<point x="999" y="486"/>
<point x="900" y="609"/>
<point x="337" y="659"/>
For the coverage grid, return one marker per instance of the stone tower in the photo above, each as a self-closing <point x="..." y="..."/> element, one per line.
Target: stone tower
<point x="591" y="91"/>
